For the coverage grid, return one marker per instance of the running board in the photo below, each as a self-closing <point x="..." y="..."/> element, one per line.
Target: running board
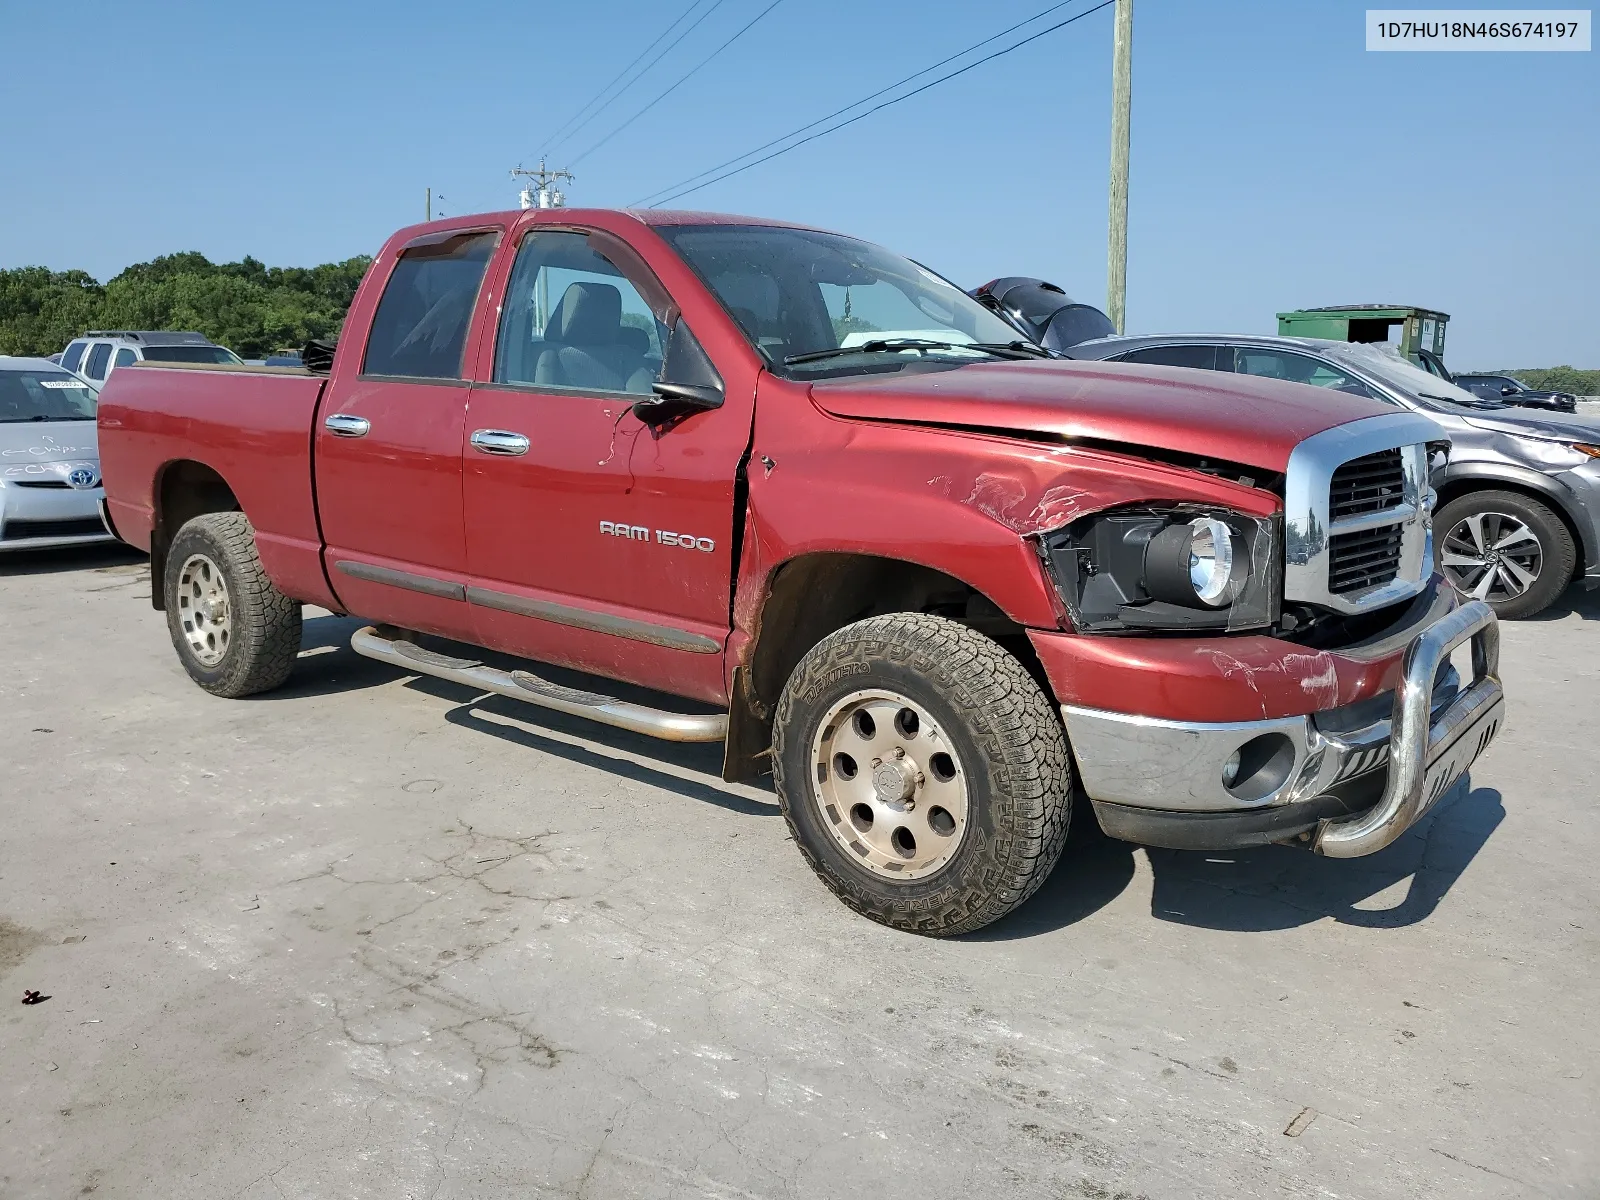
<point x="526" y="686"/>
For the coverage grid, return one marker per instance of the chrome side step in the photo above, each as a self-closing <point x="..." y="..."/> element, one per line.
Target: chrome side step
<point x="526" y="686"/>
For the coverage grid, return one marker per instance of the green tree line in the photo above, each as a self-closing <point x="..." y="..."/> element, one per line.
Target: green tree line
<point x="1559" y="379"/>
<point x="251" y="308"/>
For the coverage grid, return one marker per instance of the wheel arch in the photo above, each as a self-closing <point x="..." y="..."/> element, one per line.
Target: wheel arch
<point x="184" y="489"/>
<point x="1535" y="486"/>
<point x="809" y="596"/>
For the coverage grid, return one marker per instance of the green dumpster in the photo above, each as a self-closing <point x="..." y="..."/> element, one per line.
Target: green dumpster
<point x="1421" y="329"/>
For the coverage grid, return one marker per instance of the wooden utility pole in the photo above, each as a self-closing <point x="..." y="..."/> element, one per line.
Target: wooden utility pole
<point x="430" y="205"/>
<point x="1121" y="108"/>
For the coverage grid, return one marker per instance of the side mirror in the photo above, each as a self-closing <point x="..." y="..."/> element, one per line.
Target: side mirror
<point x="689" y="382"/>
<point x="1508" y="390"/>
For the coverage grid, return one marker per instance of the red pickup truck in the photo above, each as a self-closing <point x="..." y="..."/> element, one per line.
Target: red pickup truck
<point x="934" y="580"/>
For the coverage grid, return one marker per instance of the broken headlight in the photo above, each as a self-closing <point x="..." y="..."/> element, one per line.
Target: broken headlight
<point x="1170" y="567"/>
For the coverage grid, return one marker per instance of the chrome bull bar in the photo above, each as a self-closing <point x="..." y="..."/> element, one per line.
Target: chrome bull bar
<point x="1427" y="756"/>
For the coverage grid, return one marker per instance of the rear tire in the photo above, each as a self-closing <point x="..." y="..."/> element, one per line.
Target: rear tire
<point x="235" y="633"/>
<point x="959" y="810"/>
<point x="1506" y="549"/>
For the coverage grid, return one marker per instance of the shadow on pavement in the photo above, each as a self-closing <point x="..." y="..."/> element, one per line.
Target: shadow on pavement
<point x="69" y="558"/>
<point x="1281" y="887"/>
<point x="1576" y="599"/>
<point x="1268" y="887"/>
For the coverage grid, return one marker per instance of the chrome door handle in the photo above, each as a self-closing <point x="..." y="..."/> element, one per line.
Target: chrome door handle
<point x="342" y="426"/>
<point x="499" y="441"/>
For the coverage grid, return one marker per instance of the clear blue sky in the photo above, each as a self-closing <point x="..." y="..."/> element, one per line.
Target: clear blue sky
<point x="1276" y="163"/>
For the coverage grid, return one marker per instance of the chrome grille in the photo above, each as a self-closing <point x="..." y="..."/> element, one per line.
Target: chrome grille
<point x="1367" y="484"/>
<point x="1369" y="558"/>
<point x="1356" y="521"/>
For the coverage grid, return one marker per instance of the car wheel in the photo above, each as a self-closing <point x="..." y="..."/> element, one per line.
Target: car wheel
<point x="1504" y="548"/>
<point x="923" y="773"/>
<point x="235" y="633"/>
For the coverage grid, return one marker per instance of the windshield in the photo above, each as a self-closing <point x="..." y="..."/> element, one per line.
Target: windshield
<point x="191" y="354"/>
<point x="1388" y="365"/>
<point x="799" y="292"/>
<point x="44" y="396"/>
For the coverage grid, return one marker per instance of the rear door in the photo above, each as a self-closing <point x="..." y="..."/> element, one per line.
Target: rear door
<point x="389" y="437"/>
<point x="592" y="540"/>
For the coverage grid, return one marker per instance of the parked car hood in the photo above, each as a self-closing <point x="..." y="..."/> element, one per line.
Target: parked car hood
<point x="1524" y="422"/>
<point x="1232" y="418"/>
<point x="47" y="448"/>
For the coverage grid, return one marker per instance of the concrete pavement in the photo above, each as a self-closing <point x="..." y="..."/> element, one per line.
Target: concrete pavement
<point x="373" y="936"/>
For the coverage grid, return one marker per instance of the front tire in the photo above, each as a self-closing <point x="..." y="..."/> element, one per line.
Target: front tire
<point x="923" y="773"/>
<point x="1505" y="548"/>
<point x="235" y="633"/>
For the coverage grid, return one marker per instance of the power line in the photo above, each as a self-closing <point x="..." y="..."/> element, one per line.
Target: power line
<point x="864" y="100"/>
<point x="693" y="4"/>
<point x="887" y="103"/>
<point x="643" y="71"/>
<point x="682" y="79"/>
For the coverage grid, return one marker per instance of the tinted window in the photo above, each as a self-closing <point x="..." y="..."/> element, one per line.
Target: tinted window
<point x="73" y="355"/>
<point x="420" y="329"/>
<point x="1296" y="368"/>
<point x="1077" y="323"/>
<point x="44" y="396"/>
<point x="571" y="318"/>
<point x="125" y="357"/>
<point x="98" y="358"/>
<point x="1203" y="358"/>
<point x="194" y="354"/>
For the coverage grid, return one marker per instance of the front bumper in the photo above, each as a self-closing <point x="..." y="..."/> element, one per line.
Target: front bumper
<point x="45" y="514"/>
<point x="1354" y="778"/>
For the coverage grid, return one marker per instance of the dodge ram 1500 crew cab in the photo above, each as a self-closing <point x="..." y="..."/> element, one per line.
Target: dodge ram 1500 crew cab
<point x="931" y="578"/>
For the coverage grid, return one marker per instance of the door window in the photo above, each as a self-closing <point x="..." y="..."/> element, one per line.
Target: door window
<point x="1296" y="368"/>
<point x="125" y="357"/>
<point x="572" y="318"/>
<point x="72" y="356"/>
<point x="98" y="358"/>
<point x="420" y="330"/>
<point x="1202" y="358"/>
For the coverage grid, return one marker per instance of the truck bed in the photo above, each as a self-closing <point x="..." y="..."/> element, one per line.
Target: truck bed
<point x="251" y="427"/>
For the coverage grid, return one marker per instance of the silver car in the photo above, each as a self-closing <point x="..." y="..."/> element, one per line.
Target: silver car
<point x="50" y="492"/>
<point x="1519" y="500"/>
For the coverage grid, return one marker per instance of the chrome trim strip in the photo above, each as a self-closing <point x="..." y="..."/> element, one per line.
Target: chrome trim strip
<point x="1307" y="527"/>
<point x="1417" y="742"/>
<point x="1398" y="515"/>
<point x="596" y="622"/>
<point x="426" y="584"/>
<point x="622" y="714"/>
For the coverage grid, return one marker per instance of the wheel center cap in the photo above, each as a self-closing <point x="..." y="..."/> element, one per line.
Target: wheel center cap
<point x="214" y="610"/>
<point x="894" y="780"/>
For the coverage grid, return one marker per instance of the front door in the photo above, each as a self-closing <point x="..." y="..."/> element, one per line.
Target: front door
<point x="593" y="541"/>
<point x="388" y="444"/>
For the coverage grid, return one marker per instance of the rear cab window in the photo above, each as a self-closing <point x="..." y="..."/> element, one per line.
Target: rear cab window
<point x="73" y="355"/>
<point x="420" y="328"/>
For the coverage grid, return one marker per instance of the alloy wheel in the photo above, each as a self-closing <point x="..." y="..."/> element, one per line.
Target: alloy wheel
<point x="204" y="609"/>
<point x="890" y="786"/>
<point x="1492" y="556"/>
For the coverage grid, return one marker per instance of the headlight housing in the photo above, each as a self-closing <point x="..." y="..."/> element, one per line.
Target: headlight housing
<point x="1167" y="567"/>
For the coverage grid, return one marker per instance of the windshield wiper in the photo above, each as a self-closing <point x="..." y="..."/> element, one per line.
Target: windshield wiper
<point x="1017" y="349"/>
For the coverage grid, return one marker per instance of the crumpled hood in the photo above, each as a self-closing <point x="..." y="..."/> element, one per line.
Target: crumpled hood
<point x="1235" y="418"/>
<point x="1528" y="423"/>
<point x="47" y="449"/>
